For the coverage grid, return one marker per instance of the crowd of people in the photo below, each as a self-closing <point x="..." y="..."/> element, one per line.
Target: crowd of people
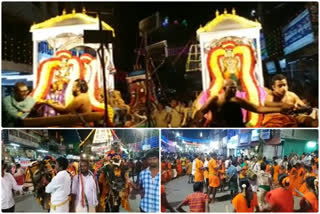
<point x="282" y="108"/>
<point x="255" y="183"/>
<point x="81" y="187"/>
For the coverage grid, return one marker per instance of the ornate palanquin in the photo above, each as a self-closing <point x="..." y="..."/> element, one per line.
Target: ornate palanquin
<point x="230" y="49"/>
<point x="71" y="59"/>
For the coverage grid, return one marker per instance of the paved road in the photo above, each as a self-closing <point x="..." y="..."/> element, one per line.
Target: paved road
<point x="179" y="188"/>
<point x="28" y="203"/>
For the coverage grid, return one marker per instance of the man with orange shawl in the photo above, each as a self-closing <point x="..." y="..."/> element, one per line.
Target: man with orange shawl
<point x="276" y="169"/>
<point x="299" y="180"/>
<point x="179" y="166"/>
<point x="198" y="176"/>
<point x="214" y="181"/>
<point x="85" y="190"/>
<point x="309" y="201"/>
<point x="304" y="189"/>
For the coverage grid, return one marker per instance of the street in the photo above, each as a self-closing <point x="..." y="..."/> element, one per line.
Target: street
<point x="178" y="189"/>
<point x="28" y="203"/>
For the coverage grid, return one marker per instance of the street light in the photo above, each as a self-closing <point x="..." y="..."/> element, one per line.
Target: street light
<point x="14" y="145"/>
<point x="311" y="144"/>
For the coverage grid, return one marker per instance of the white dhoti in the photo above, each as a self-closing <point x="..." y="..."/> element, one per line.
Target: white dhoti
<point x="60" y="209"/>
<point x="81" y="209"/>
<point x="261" y="195"/>
<point x="174" y="173"/>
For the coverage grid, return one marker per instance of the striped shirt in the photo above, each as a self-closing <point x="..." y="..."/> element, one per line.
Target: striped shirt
<point x="196" y="201"/>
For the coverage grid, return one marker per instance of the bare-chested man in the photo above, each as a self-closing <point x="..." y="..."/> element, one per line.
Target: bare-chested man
<point x="226" y="107"/>
<point x="281" y="95"/>
<point x="81" y="102"/>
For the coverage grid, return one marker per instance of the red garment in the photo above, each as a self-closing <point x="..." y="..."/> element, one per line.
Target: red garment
<point x="280" y="199"/>
<point x="19" y="179"/>
<point x="196" y="201"/>
<point x="163" y="209"/>
<point x="179" y="167"/>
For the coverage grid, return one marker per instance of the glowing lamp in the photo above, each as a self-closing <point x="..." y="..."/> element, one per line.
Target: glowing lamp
<point x="311" y="144"/>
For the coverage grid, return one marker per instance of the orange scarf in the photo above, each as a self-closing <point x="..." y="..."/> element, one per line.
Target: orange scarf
<point x="82" y="190"/>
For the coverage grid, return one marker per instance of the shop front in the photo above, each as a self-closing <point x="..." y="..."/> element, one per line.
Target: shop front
<point x="299" y="146"/>
<point x="232" y="145"/>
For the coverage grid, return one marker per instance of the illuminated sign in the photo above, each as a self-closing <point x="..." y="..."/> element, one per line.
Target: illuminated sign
<point x="244" y="138"/>
<point x="255" y="135"/>
<point x="298" y="33"/>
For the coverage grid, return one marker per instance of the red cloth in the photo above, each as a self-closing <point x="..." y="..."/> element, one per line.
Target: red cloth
<point x="163" y="209"/>
<point x="19" y="179"/>
<point x="279" y="120"/>
<point x="196" y="201"/>
<point x="280" y="199"/>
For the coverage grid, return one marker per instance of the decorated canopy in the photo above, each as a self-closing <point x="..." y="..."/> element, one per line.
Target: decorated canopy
<point x="70" y="59"/>
<point x="230" y="49"/>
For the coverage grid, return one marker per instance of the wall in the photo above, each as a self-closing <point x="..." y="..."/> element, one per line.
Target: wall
<point x="301" y="134"/>
<point x="298" y="146"/>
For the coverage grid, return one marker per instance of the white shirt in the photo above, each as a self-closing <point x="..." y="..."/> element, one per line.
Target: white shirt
<point x="226" y="164"/>
<point x="59" y="187"/>
<point x="90" y="189"/>
<point x="8" y="183"/>
<point x="194" y="167"/>
<point x="205" y="163"/>
<point x="307" y="160"/>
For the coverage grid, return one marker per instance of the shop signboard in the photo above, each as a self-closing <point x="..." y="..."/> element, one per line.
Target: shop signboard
<point x="146" y="147"/>
<point x="25" y="163"/>
<point x="100" y="149"/>
<point x="26" y="142"/>
<point x="255" y="135"/>
<point x="298" y="33"/>
<point x="266" y="134"/>
<point x="233" y="142"/>
<point x="244" y="138"/>
<point x="231" y="133"/>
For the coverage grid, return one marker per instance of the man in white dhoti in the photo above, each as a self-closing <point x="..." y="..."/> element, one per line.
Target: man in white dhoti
<point x="85" y="190"/>
<point x="59" y="188"/>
